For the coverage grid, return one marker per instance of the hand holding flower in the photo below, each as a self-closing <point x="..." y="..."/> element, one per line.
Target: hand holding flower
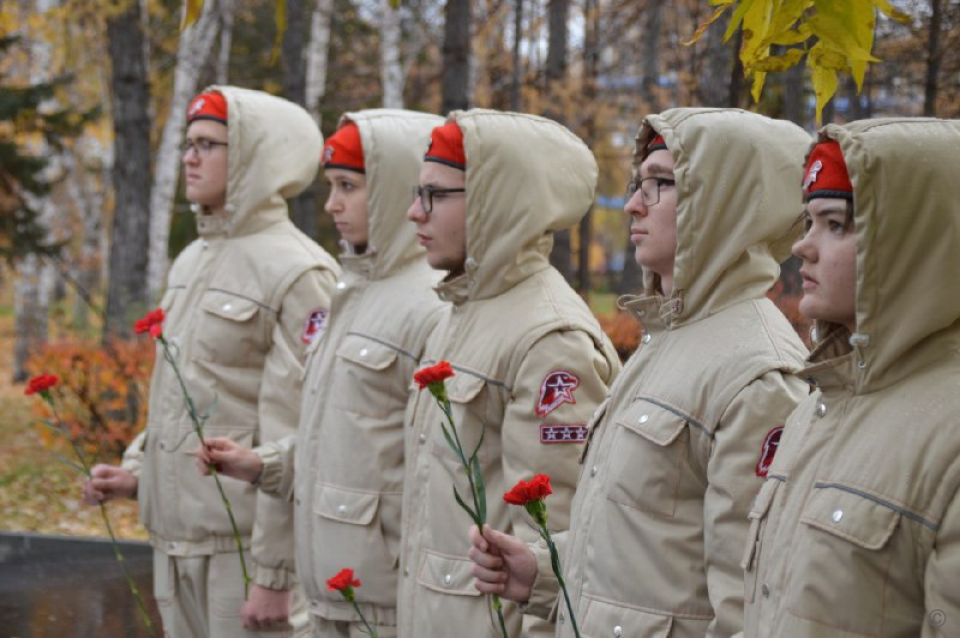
<point x="503" y="564"/>
<point x="229" y="458"/>
<point x="108" y="482"/>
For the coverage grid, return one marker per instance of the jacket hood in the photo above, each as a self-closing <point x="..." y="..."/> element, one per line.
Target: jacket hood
<point x="526" y="177"/>
<point x="906" y="195"/>
<point x="738" y="180"/>
<point x="393" y="144"/>
<point x="274" y="154"/>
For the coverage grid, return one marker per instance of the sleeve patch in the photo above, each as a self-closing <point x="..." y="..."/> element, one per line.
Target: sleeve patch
<point x="769" y="449"/>
<point x="557" y="388"/>
<point x="313" y="325"/>
<point x="551" y="433"/>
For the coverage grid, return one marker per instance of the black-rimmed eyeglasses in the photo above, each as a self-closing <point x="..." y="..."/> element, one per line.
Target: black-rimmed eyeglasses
<point x="649" y="188"/>
<point x="201" y="145"/>
<point x="426" y="194"/>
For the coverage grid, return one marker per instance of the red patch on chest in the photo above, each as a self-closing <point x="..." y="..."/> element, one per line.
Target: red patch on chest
<point x="769" y="449"/>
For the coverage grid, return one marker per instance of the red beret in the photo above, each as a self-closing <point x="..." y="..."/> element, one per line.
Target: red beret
<point x="826" y="174"/>
<point x="344" y="149"/>
<point x="657" y="144"/>
<point x="446" y="146"/>
<point x="208" y="106"/>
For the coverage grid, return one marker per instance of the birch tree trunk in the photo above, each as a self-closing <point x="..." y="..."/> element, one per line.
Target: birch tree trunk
<point x="225" y="17"/>
<point x="35" y="276"/>
<point x="316" y="57"/>
<point x="196" y="45"/>
<point x="391" y="69"/>
<point x="127" y="290"/>
<point x="561" y="257"/>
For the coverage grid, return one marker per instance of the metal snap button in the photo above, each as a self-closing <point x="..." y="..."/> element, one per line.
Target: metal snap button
<point x="837" y="516"/>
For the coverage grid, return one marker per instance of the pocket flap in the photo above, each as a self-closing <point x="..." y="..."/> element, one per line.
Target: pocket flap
<point x="849" y="513"/>
<point x="447" y="574"/>
<point x="464" y="387"/>
<point x="604" y="619"/>
<point x="764" y="498"/>
<point x="654" y="423"/>
<point x="366" y="352"/>
<point x="228" y="306"/>
<point x="346" y="506"/>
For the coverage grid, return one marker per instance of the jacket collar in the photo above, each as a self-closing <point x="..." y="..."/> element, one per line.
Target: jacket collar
<point x="455" y="290"/>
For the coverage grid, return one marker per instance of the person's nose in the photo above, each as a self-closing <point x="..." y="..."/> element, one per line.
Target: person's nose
<point x="635" y="205"/>
<point x="804" y="249"/>
<point x="415" y="213"/>
<point x="331" y="205"/>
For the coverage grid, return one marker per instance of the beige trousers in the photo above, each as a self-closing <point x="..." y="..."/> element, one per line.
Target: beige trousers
<point x="201" y="597"/>
<point x="323" y="628"/>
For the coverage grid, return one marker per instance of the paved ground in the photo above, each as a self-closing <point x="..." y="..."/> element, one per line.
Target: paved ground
<point x="62" y="587"/>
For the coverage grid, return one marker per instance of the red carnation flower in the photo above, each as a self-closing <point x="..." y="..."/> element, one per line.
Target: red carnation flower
<point x="41" y="384"/>
<point x="152" y="322"/>
<point x="343" y="582"/>
<point x="537" y="488"/>
<point x="434" y="374"/>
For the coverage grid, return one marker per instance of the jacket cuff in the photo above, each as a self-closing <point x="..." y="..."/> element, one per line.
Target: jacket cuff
<point x="277" y="578"/>
<point x="546" y="587"/>
<point x="270" y="480"/>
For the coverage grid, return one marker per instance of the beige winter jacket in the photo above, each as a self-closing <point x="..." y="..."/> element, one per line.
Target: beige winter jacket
<point x="239" y="303"/>
<point x="531" y="365"/>
<point x="347" y="478"/>
<point x="856" y="531"/>
<point x="659" y="517"/>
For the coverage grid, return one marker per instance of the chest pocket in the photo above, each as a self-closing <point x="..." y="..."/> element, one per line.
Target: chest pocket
<point x="468" y="402"/>
<point x="752" y="550"/>
<point x="845" y="545"/>
<point x="647" y="452"/>
<point x="230" y="330"/>
<point x="368" y="381"/>
<point x="604" y="619"/>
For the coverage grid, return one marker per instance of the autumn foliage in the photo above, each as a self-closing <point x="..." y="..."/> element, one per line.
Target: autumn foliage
<point x="102" y="394"/>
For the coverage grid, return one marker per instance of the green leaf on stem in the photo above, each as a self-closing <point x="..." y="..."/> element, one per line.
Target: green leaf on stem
<point x="467" y="509"/>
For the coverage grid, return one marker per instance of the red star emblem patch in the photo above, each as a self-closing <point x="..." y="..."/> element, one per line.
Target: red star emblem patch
<point x="557" y="388"/>
<point x="313" y="325"/>
<point x="770" y="444"/>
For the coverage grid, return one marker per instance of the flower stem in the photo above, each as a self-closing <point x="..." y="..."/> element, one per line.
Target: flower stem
<point x="555" y="563"/>
<point x="480" y="517"/>
<point x="198" y="428"/>
<point x="121" y="560"/>
<point x="363" y="619"/>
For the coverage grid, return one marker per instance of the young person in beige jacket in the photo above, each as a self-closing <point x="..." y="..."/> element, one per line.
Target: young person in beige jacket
<point x="678" y="452"/>
<point x="240" y="303"/>
<point x="856" y="531"/>
<point x="345" y="469"/>
<point x="531" y="362"/>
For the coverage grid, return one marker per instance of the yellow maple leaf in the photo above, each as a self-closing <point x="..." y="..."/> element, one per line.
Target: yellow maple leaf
<point x="191" y="13"/>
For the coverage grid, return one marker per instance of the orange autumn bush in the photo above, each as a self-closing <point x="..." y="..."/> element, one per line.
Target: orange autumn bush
<point x="623" y="330"/>
<point x="102" y="394"/>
